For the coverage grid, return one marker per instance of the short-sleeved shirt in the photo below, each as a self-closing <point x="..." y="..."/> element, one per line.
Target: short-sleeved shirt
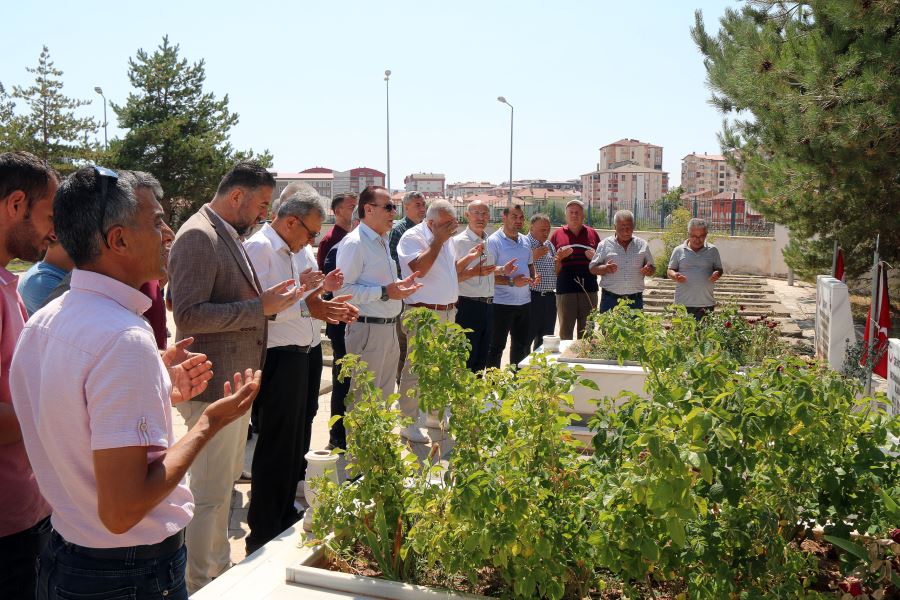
<point x="87" y="376"/>
<point x="331" y="239"/>
<point x="480" y="286"/>
<point x="21" y="503"/>
<point x="574" y="276"/>
<point x="37" y="283"/>
<point x="364" y="259"/>
<point x="501" y="250"/>
<point x="698" y="267"/>
<point x="306" y="259"/>
<point x="399" y="228"/>
<point x="545" y="266"/>
<point x="441" y="284"/>
<point x="628" y="278"/>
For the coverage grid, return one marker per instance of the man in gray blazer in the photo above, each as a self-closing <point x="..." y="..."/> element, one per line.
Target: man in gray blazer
<point x="217" y="300"/>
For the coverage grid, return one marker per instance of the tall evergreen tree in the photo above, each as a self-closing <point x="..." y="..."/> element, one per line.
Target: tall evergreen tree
<point x="813" y="89"/>
<point x="176" y="130"/>
<point x="11" y="126"/>
<point x="50" y="129"/>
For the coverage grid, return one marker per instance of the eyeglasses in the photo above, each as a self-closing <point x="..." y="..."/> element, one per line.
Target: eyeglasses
<point x="312" y="234"/>
<point x="104" y="176"/>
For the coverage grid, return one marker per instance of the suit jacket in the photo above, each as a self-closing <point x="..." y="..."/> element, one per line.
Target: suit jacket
<point x="216" y="299"/>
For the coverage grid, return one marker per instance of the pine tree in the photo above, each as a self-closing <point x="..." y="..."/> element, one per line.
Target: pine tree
<point x="176" y="130"/>
<point x="813" y="91"/>
<point x="50" y="129"/>
<point x="11" y="126"/>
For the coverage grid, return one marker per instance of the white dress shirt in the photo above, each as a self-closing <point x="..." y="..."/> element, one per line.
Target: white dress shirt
<point x="364" y="259"/>
<point x="441" y="284"/>
<point x="480" y="286"/>
<point x="307" y="260"/>
<point x="274" y="262"/>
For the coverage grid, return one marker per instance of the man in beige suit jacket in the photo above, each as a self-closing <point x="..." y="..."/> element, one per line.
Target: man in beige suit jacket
<point x="217" y="300"/>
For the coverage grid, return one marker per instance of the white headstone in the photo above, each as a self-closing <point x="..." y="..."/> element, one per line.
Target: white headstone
<point x="834" y="323"/>
<point x="893" y="375"/>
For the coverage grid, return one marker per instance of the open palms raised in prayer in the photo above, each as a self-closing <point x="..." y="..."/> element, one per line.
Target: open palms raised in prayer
<point x="190" y="372"/>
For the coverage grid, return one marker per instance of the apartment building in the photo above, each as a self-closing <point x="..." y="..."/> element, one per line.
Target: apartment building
<point x="702" y="172"/>
<point x="429" y="184"/>
<point x="320" y="178"/>
<point x="633" y="151"/>
<point x="469" y="188"/>
<point x="356" y="180"/>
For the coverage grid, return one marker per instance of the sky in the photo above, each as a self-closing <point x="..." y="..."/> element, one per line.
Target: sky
<point x="307" y="78"/>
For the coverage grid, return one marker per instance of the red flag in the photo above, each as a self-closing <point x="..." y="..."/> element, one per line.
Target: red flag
<point x="883" y="327"/>
<point x="839" y="266"/>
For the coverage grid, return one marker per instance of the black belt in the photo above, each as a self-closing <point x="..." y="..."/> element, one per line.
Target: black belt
<point x="293" y="348"/>
<point x="485" y="299"/>
<point x="164" y="548"/>
<point x="544" y="293"/>
<point x="378" y="320"/>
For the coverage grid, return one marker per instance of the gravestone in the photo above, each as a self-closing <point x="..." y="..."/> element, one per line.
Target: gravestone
<point x="893" y="375"/>
<point x="834" y="323"/>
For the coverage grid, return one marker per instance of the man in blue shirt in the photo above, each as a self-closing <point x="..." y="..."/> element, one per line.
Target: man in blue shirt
<point x="43" y="277"/>
<point x="511" y="292"/>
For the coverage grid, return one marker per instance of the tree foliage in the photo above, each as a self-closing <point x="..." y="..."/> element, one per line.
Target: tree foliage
<point x="813" y="90"/>
<point x="50" y="129"/>
<point x="176" y="130"/>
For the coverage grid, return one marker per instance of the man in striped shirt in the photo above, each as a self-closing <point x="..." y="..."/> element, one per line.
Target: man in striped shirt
<point x="622" y="260"/>
<point x="542" y="307"/>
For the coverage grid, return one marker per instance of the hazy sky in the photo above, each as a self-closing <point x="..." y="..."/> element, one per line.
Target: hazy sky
<point x="307" y="77"/>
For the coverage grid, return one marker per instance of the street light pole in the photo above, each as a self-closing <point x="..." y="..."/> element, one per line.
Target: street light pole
<point x="511" y="111"/>
<point x="387" y="96"/>
<point x="99" y="90"/>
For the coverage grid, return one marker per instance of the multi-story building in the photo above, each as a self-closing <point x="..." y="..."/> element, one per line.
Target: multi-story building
<point x="430" y="184"/>
<point x="708" y="172"/>
<point x="320" y="178"/>
<point x="356" y="180"/>
<point x="630" y="151"/>
<point x="469" y="188"/>
<point x="627" y="186"/>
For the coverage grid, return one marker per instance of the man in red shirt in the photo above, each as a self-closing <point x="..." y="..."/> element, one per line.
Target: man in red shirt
<point x="576" y="288"/>
<point x="27" y="187"/>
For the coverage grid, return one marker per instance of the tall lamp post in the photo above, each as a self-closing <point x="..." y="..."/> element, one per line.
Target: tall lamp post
<point x="511" y="111"/>
<point x="387" y="96"/>
<point x="99" y="90"/>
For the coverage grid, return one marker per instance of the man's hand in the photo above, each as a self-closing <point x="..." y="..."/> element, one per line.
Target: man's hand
<point x="281" y="296"/>
<point x="521" y="280"/>
<point x="510" y="267"/>
<point x="333" y="281"/>
<point x="564" y="253"/>
<point x="610" y="267"/>
<point x="334" y="311"/>
<point x="232" y="405"/>
<point x="539" y="252"/>
<point x="715" y="276"/>
<point x="536" y="280"/>
<point x="647" y="270"/>
<point x="190" y="378"/>
<point x="403" y="288"/>
<point x="481" y="270"/>
<point x="681" y="277"/>
<point x="588" y="254"/>
<point x="443" y="231"/>
<point x="177" y="353"/>
<point x="475" y="252"/>
<point x="311" y="279"/>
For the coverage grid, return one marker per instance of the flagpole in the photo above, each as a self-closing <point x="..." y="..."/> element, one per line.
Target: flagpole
<point x="834" y="259"/>
<point x="873" y="318"/>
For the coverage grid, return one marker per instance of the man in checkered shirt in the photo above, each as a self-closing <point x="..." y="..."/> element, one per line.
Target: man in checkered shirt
<point x="622" y="261"/>
<point x="542" y="307"/>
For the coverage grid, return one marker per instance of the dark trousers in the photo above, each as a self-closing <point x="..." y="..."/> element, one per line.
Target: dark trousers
<point x="279" y="449"/>
<point x="512" y="321"/>
<point x="479" y="317"/>
<point x="65" y="572"/>
<point x="337" y="435"/>
<point x="18" y="560"/>
<point x="573" y="310"/>
<point x="608" y="300"/>
<point x="543" y="316"/>
<point x="698" y="312"/>
<point x="314" y="381"/>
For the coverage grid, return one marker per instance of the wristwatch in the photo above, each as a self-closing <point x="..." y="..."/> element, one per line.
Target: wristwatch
<point x="384" y="294"/>
<point x="509" y="281"/>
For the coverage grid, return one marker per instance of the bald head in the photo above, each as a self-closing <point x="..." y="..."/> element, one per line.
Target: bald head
<point x="478" y="214"/>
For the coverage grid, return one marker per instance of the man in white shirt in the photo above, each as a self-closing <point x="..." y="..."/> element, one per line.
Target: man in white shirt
<point x="426" y="249"/>
<point x="275" y="251"/>
<point x="370" y="277"/>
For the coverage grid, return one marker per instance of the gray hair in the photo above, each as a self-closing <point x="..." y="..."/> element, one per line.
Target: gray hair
<point x="437" y="207"/>
<point x="298" y="200"/>
<point x="539" y="217"/>
<point x="145" y="180"/>
<point x="410" y="196"/>
<point x="695" y="222"/>
<point x="623" y="215"/>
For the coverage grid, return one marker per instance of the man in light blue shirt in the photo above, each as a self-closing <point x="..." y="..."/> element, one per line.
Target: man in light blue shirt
<point x="43" y="277"/>
<point x="370" y="277"/>
<point x="512" y="293"/>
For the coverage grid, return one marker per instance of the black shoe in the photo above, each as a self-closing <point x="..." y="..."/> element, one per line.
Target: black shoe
<point x="245" y="477"/>
<point x="249" y="432"/>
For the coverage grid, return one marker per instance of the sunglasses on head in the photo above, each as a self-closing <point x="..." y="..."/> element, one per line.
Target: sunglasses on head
<point x="104" y="176"/>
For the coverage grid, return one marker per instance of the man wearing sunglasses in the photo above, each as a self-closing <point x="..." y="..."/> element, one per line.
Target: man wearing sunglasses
<point x="370" y="277"/>
<point x="218" y="300"/>
<point x="27" y="185"/>
<point x="292" y="372"/>
<point x="100" y="438"/>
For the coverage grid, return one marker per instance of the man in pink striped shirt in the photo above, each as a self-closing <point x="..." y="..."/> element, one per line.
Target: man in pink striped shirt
<point x="27" y="186"/>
